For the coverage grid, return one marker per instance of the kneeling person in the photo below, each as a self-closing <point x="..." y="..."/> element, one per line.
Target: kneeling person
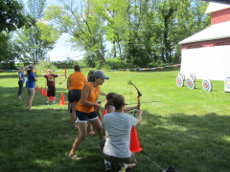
<point x="117" y="126"/>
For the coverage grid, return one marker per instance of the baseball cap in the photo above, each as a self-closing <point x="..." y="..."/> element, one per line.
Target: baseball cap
<point x="99" y="74"/>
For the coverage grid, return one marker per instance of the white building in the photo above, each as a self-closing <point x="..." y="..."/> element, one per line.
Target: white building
<point x="207" y="53"/>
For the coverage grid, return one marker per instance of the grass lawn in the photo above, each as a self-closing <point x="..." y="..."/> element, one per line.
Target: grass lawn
<point x="188" y="129"/>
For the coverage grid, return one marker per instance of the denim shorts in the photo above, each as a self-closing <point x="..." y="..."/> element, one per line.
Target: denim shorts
<point x="84" y="117"/>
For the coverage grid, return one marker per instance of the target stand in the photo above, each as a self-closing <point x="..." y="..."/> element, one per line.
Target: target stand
<point x="179" y="81"/>
<point x="181" y="75"/>
<point x="207" y="85"/>
<point x="190" y="83"/>
<point x="227" y="85"/>
<point x="193" y="76"/>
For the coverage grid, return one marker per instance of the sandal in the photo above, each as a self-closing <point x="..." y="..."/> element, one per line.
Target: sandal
<point x="74" y="157"/>
<point x="92" y="132"/>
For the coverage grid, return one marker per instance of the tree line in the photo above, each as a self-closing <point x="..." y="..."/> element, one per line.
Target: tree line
<point x="134" y="33"/>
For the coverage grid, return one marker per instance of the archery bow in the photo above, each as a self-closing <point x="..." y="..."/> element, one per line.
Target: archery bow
<point x="138" y="94"/>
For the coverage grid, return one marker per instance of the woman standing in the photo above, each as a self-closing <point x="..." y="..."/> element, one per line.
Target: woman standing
<point x="86" y="110"/>
<point x="21" y="80"/>
<point x="30" y="86"/>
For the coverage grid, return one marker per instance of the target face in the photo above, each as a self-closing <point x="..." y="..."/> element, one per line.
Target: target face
<point x="227" y="83"/>
<point x="181" y="75"/>
<point x="207" y="85"/>
<point x="190" y="83"/>
<point x="179" y="81"/>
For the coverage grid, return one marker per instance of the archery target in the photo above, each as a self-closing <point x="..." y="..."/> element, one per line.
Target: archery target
<point x="179" y="81"/>
<point x="190" y="83"/>
<point x="181" y="75"/>
<point x="207" y="85"/>
<point x="227" y="85"/>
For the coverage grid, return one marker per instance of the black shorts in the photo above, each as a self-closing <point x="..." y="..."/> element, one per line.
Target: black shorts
<point x="74" y="95"/>
<point x="84" y="117"/>
<point x="51" y="91"/>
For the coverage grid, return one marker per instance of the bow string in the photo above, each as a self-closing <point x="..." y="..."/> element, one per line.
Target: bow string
<point x="138" y="94"/>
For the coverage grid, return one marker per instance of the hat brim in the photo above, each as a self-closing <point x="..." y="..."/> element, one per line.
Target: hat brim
<point x="105" y="77"/>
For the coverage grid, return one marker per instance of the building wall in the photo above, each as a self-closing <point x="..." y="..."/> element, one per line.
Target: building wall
<point x="207" y="62"/>
<point x="220" y="16"/>
<point x="210" y="43"/>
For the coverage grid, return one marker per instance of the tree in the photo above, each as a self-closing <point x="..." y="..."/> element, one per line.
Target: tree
<point x="12" y="18"/>
<point x="34" y="43"/>
<point x="83" y="26"/>
<point x="141" y="32"/>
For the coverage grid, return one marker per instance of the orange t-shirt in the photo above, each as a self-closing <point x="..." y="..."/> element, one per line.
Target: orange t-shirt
<point x="77" y="81"/>
<point x="92" y="97"/>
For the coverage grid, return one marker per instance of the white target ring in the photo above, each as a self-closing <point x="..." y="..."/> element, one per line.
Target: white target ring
<point x="207" y="85"/>
<point x="181" y="75"/>
<point x="190" y="83"/>
<point x="179" y="81"/>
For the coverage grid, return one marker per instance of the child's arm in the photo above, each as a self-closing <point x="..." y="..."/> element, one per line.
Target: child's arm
<point x="126" y="109"/>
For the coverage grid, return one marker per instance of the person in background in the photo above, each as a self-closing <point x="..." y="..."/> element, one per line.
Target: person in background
<point x="75" y="83"/>
<point x="30" y="86"/>
<point x="21" y="80"/>
<point x="117" y="127"/>
<point x="109" y="104"/>
<point x="50" y="82"/>
<point x="86" y="110"/>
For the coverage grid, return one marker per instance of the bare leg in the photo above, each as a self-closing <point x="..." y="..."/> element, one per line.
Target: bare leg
<point x="91" y="129"/>
<point x="82" y="135"/>
<point x="73" y="113"/>
<point x="30" y="101"/>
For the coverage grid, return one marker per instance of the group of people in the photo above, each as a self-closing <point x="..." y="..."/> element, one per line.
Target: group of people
<point x="31" y="80"/>
<point x="113" y="129"/>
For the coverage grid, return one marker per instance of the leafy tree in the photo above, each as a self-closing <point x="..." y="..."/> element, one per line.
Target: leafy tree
<point x="141" y="32"/>
<point x="83" y="26"/>
<point x="35" y="42"/>
<point x="11" y="18"/>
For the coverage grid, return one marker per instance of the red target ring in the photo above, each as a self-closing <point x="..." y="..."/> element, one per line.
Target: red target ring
<point x="207" y="85"/>
<point x="179" y="81"/>
<point x="190" y="83"/>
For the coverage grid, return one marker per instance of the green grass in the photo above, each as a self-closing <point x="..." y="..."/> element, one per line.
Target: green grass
<point x="187" y="128"/>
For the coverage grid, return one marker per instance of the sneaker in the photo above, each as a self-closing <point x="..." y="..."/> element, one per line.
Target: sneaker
<point x="54" y="102"/>
<point x="107" y="165"/>
<point x="47" y="103"/>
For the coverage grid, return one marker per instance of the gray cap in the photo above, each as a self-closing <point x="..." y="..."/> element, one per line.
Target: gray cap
<point x="99" y="74"/>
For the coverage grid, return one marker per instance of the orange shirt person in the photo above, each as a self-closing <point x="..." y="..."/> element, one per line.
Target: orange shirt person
<point x="86" y="110"/>
<point x="75" y="83"/>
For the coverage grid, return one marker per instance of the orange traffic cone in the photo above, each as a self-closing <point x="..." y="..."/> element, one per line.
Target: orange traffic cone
<point x="44" y="92"/>
<point x="104" y="112"/>
<point x="51" y="98"/>
<point x="36" y="88"/>
<point x="41" y="90"/>
<point x="62" y="99"/>
<point x="134" y="143"/>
